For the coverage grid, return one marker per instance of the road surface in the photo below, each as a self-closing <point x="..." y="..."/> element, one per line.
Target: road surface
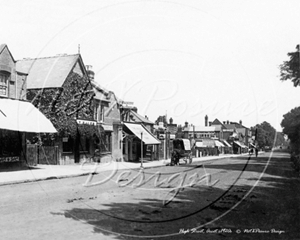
<point x="236" y="198"/>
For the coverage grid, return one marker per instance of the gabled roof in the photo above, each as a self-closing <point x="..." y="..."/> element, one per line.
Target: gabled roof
<point x="217" y="122"/>
<point x="2" y="47"/>
<point x="48" y="72"/>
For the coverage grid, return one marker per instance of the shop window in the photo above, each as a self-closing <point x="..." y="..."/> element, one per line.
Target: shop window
<point x="10" y="144"/>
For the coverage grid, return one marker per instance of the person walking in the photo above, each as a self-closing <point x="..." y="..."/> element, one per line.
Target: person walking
<point x="256" y="152"/>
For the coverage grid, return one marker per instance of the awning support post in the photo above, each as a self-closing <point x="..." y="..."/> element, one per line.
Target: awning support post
<point x="142" y="150"/>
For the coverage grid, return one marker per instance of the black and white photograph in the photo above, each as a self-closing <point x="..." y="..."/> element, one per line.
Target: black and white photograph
<point x="150" y="119"/>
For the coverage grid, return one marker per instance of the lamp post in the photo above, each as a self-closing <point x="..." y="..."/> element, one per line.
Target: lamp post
<point x="142" y="150"/>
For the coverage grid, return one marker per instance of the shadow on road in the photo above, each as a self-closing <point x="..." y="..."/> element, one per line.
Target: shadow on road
<point x="272" y="205"/>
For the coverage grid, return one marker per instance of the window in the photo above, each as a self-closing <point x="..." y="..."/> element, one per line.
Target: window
<point x="84" y="144"/>
<point x="3" y="84"/>
<point x="99" y="113"/>
<point x="68" y="144"/>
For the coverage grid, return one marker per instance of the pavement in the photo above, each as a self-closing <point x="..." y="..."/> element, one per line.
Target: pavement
<point x="47" y="172"/>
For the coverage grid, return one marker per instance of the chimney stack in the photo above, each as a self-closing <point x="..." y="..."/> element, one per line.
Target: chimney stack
<point x="90" y="72"/>
<point x="206" y="120"/>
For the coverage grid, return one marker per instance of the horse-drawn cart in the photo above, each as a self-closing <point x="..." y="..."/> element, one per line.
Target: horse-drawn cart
<point x="181" y="151"/>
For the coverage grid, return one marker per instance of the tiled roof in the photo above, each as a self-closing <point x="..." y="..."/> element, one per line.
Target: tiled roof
<point x="217" y="122"/>
<point x="138" y="118"/>
<point x="2" y="46"/>
<point x="48" y="72"/>
<point x="100" y="92"/>
<point x="230" y="126"/>
<point x="99" y="87"/>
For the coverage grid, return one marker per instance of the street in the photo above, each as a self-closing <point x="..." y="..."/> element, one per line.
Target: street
<point x="237" y="198"/>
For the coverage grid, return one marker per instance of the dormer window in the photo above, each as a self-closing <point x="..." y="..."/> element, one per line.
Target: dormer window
<point x="4" y="84"/>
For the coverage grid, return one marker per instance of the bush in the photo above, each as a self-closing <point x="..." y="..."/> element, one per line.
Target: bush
<point x="295" y="161"/>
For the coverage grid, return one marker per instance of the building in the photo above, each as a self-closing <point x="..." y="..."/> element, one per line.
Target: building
<point x="138" y="139"/>
<point x="107" y="115"/>
<point x="18" y="117"/>
<point x="166" y="132"/>
<point x="61" y="86"/>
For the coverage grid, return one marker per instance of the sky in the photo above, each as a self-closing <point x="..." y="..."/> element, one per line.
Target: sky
<point x="180" y="58"/>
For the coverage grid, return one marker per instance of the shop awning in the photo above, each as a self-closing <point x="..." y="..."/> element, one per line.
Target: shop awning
<point x="205" y="143"/>
<point x="146" y="136"/>
<point x="219" y="144"/>
<point x="240" y="144"/>
<point x="199" y="144"/>
<point x="226" y="143"/>
<point x="22" y="116"/>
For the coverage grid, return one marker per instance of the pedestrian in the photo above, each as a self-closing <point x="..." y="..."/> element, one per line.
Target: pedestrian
<point x="256" y="151"/>
<point x="250" y="151"/>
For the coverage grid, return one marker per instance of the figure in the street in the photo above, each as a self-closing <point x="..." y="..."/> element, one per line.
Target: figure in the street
<point x="256" y="152"/>
<point x="250" y="151"/>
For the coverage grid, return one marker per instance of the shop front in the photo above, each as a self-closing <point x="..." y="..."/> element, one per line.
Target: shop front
<point x="138" y="143"/>
<point x="18" y="118"/>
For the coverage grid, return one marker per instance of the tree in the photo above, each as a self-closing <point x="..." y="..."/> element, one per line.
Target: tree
<point x="266" y="134"/>
<point x="280" y="140"/>
<point x="291" y="127"/>
<point x="290" y="70"/>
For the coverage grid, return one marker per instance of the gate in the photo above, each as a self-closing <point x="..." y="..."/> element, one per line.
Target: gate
<point x="31" y="154"/>
<point x="48" y="155"/>
<point x="41" y="155"/>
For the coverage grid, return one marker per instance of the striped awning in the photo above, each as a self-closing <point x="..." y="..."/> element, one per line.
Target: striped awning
<point x="240" y="144"/>
<point x="226" y="143"/>
<point x="219" y="144"/>
<point x="142" y="133"/>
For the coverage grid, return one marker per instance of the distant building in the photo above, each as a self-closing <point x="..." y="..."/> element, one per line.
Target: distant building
<point x="138" y="139"/>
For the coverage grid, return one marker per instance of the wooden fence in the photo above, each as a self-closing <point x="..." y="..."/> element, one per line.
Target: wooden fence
<point x="41" y="155"/>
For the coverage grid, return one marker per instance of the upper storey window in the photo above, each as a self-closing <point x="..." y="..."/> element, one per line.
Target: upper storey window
<point x="4" y="84"/>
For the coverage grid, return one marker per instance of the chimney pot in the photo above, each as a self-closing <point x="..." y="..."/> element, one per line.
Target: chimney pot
<point x="206" y="120"/>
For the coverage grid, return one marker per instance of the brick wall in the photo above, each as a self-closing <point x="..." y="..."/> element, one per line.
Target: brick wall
<point x="16" y="85"/>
